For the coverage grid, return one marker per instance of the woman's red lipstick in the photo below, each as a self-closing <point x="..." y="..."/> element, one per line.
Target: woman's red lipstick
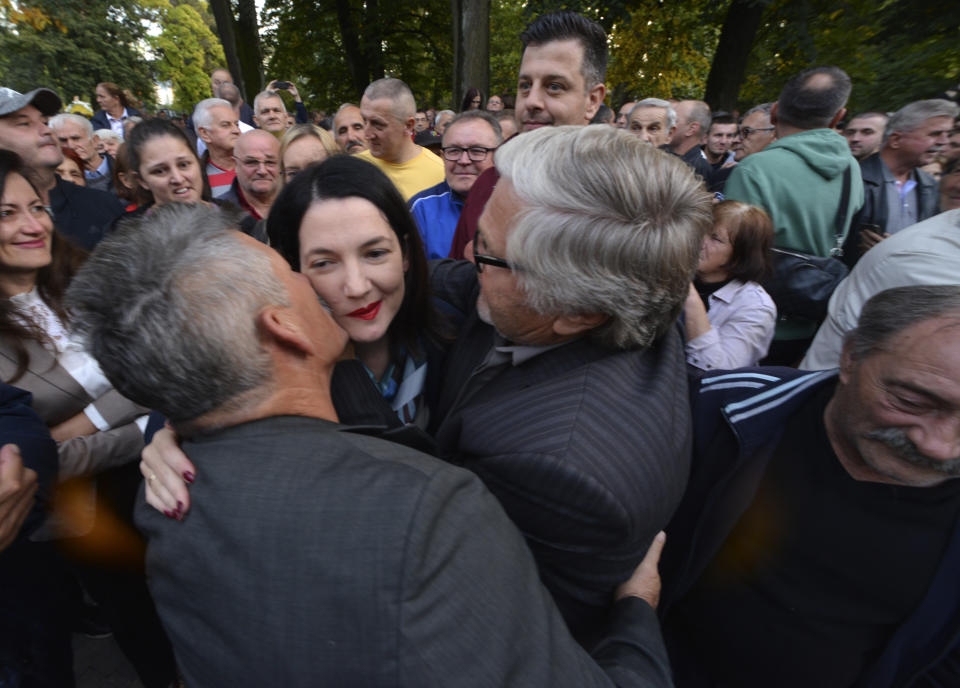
<point x="367" y="312"/>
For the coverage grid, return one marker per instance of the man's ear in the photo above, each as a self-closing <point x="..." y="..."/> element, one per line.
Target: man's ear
<point x="204" y="134"/>
<point x="773" y="115"/>
<point x="572" y="325"/>
<point x="408" y="124"/>
<point x="595" y="98"/>
<point x="280" y="325"/>
<point x="847" y="362"/>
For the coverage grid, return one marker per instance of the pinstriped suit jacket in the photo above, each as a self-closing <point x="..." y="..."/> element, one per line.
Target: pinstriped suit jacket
<point x="587" y="449"/>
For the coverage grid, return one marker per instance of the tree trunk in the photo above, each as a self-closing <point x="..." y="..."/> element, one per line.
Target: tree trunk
<point x="733" y="50"/>
<point x="471" y="47"/>
<point x="356" y="58"/>
<point x="248" y="46"/>
<point x="223" y="15"/>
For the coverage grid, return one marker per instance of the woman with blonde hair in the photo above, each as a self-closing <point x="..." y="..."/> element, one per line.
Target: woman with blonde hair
<point x="303" y="145"/>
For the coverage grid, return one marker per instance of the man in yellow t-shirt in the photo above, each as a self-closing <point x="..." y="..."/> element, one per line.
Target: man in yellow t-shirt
<point x="388" y="110"/>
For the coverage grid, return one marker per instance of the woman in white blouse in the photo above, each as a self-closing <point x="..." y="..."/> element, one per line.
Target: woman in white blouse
<point x="94" y="425"/>
<point x="729" y="318"/>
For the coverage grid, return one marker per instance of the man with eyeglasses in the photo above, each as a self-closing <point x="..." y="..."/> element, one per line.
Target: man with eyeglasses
<point x="756" y="132"/>
<point x="257" y="155"/>
<point x="566" y="390"/>
<point x="389" y="110"/>
<point x="468" y="145"/>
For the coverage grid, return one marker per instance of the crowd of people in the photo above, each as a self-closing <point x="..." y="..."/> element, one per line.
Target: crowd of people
<point x="541" y="392"/>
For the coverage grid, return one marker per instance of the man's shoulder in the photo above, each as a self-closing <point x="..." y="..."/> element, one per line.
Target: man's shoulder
<point x="438" y="190"/>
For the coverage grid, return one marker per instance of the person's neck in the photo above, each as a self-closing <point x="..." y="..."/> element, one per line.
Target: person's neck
<point x="712" y="158"/>
<point x="901" y="171"/>
<point x="782" y="130"/>
<point x="13" y="283"/>
<point x="222" y="159"/>
<point x="684" y="146"/>
<point x="260" y="202"/>
<point x="713" y="277"/>
<point x="408" y="152"/>
<point x="93" y="164"/>
<point x="116" y="112"/>
<point x="44" y="178"/>
<point x="374" y="355"/>
<point x="310" y="399"/>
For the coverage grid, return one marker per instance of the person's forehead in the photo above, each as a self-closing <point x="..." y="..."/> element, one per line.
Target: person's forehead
<point x="221" y="112"/>
<point x="939" y="123"/>
<point x="925" y="356"/>
<point x="271" y="103"/>
<point x="555" y="58"/>
<point x="221" y="75"/>
<point x="71" y="129"/>
<point x="649" y="115"/>
<point x="469" y="133"/>
<point x="381" y="108"/>
<point x="28" y="111"/>
<point x="872" y="122"/>
<point x="756" y="120"/>
<point x="727" y="128"/>
<point x="347" y="117"/>
<point x="252" y="143"/>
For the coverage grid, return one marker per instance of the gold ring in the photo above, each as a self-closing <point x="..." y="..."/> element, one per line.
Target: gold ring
<point x="153" y="476"/>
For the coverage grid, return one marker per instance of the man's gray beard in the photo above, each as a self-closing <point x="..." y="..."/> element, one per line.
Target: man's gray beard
<point x="896" y="439"/>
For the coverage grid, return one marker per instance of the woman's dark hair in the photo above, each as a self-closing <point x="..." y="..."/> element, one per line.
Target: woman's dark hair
<point x="345" y="176"/>
<point x="468" y="100"/>
<point x="52" y="280"/>
<point x="154" y="128"/>
<point x="138" y="195"/>
<point x="751" y="238"/>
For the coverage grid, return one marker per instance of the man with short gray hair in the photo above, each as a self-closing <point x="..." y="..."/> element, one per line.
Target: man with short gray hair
<point x="693" y="123"/>
<point x="820" y="536"/>
<point x="388" y="110"/>
<point x="218" y="129"/>
<point x="76" y="133"/>
<point x="897" y="193"/>
<point x="654" y="120"/>
<point x="566" y="390"/>
<point x="373" y="564"/>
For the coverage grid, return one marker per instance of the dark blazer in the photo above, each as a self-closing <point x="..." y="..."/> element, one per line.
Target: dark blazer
<point x="874" y="210"/>
<point x="313" y="556"/>
<point x="100" y="121"/>
<point x="83" y="215"/>
<point x="586" y="448"/>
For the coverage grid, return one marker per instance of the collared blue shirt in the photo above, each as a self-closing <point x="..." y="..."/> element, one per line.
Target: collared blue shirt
<point x="436" y="211"/>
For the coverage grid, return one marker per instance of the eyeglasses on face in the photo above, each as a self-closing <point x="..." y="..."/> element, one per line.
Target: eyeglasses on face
<point x="479" y="260"/>
<point x="746" y="131"/>
<point x="254" y="163"/>
<point x="475" y="153"/>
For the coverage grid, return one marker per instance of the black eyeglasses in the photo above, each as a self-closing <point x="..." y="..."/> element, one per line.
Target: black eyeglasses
<point x="746" y="131"/>
<point x="479" y="260"/>
<point x="475" y="153"/>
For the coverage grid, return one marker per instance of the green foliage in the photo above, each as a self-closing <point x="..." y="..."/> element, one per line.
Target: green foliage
<point x="187" y="49"/>
<point x="309" y="47"/>
<point x="507" y="20"/>
<point x="71" y="45"/>
<point x="662" y="50"/>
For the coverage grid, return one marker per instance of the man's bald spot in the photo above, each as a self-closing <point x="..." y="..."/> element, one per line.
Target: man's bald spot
<point x="249" y="138"/>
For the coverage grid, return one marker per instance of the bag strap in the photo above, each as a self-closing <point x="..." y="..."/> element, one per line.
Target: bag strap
<point x="841" y="221"/>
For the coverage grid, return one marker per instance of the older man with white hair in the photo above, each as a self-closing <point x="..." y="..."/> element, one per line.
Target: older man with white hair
<point x="388" y="110"/>
<point x="218" y="129"/>
<point x="76" y="133"/>
<point x="654" y="120"/>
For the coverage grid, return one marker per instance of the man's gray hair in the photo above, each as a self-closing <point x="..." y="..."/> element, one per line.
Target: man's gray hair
<point x="913" y="115"/>
<point x="609" y="225"/>
<point x="263" y="95"/>
<point x="658" y="103"/>
<point x="890" y="312"/>
<point x="168" y="307"/>
<point x="812" y="98"/>
<point x="108" y="135"/>
<point x="483" y="115"/>
<point x="202" y="115"/>
<point x="700" y="113"/>
<point x="396" y="91"/>
<point x="57" y="121"/>
<point x="436" y="120"/>
<point x="230" y="93"/>
<point x="765" y="108"/>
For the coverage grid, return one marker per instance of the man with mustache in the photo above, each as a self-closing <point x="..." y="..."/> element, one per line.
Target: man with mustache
<point x="824" y="506"/>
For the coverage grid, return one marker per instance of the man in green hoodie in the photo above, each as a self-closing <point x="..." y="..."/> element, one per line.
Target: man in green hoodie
<point x="798" y="180"/>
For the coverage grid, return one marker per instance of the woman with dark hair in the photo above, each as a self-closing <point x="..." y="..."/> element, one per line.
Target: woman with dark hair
<point x="473" y="100"/>
<point x="730" y="318"/>
<point x="165" y="164"/>
<point x="344" y="225"/>
<point x="116" y="105"/>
